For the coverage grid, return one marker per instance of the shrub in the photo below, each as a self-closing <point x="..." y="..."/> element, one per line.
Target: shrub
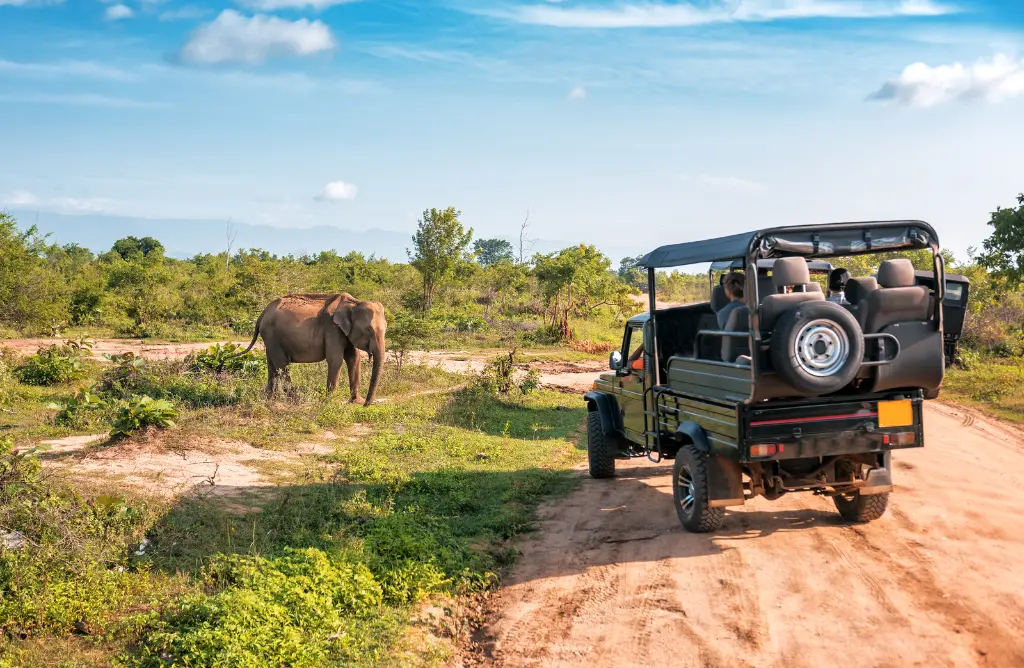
<point x="80" y="411"/>
<point x="125" y="377"/>
<point x="143" y="412"/>
<point x="69" y="570"/>
<point x="303" y="608"/>
<point x="53" y="365"/>
<point x="228" y="357"/>
<point x="530" y="382"/>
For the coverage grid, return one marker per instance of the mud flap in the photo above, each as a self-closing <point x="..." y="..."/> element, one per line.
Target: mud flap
<point x="725" y="482"/>
<point x="879" y="478"/>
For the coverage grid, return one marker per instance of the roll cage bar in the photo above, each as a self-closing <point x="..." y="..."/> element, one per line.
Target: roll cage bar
<point x="807" y="241"/>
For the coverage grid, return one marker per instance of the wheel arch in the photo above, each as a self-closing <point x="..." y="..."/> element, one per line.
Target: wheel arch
<point x="605" y="406"/>
<point x="725" y="476"/>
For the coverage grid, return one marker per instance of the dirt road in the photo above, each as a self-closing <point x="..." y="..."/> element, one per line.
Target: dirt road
<point x="613" y="580"/>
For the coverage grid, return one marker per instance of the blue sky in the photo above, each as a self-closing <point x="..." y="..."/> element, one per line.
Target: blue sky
<point x="622" y="123"/>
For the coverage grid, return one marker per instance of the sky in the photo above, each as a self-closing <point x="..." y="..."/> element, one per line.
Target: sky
<point x="623" y="123"/>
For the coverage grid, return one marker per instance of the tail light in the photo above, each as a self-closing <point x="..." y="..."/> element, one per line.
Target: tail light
<point x="766" y="449"/>
<point x="899" y="438"/>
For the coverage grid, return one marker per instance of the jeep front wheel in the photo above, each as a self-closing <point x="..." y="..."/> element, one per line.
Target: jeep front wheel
<point x="690" y="490"/>
<point x="859" y="507"/>
<point x="602" y="461"/>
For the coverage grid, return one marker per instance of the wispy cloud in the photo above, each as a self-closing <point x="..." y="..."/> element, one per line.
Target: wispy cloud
<point x="578" y="94"/>
<point x="84" y="204"/>
<point x="79" y="99"/>
<point x="665" y="15"/>
<point x="72" y="68"/>
<point x="29" y="3"/>
<point x="184" y="13"/>
<point x="336" y="191"/>
<point x="118" y="12"/>
<point x="274" y="5"/>
<point x="729" y="183"/>
<point x="20" y="198"/>
<point x="921" y="85"/>
<point x="234" y="38"/>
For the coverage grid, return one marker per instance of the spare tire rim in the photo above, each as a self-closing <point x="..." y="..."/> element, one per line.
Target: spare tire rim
<point x="821" y="348"/>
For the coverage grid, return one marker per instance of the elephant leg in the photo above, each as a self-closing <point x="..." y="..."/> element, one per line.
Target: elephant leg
<point x="277" y="369"/>
<point x="333" y="373"/>
<point x="354" y="372"/>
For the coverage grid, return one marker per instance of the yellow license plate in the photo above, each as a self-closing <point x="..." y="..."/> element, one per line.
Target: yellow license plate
<point x="895" y="413"/>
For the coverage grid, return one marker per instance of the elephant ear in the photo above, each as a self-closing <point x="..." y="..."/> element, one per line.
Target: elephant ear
<point x="343" y="318"/>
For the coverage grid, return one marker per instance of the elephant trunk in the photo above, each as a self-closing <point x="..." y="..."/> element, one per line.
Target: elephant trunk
<point x="378" y="362"/>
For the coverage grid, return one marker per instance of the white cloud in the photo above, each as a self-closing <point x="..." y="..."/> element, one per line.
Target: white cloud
<point x="232" y="37"/>
<point x="29" y="3"/>
<point x="183" y="13"/>
<point x="732" y="183"/>
<point x="272" y="5"/>
<point x="79" y="99"/>
<point x="83" y="204"/>
<point x="664" y="15"/>
<point x="20" y="198"/>
<point x="921" y="85"/>
<point x="117" y="12"/>
<point x="336" y="191"/>
<point x="76" y="68"/>
<point x="578" y="93"/>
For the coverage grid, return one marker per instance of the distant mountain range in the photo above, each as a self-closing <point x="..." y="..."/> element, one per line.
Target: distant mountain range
<point x="187" y="238"/>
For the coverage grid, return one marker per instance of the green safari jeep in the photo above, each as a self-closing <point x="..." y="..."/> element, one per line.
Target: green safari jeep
<point x="788" y="391"/>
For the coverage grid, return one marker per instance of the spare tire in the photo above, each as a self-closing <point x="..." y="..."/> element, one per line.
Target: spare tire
<point x="817" y="347"/>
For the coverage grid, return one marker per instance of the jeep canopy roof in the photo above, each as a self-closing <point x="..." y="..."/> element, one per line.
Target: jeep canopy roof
<point x="826" y="240"/>
<point x="812" y="265"/>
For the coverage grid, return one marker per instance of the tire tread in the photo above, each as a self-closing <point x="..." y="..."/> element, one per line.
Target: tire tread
<point x="601" y="462"/>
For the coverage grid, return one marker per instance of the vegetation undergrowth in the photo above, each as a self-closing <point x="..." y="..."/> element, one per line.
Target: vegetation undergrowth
<point x="327" y="568"/>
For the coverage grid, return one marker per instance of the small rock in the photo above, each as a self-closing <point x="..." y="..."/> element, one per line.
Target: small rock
<point x="12" y="540"/>
<point x="142" y="547"/>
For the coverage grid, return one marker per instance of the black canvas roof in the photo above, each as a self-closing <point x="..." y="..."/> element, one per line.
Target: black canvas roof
<point x="825" y="240"/>
<point x="813" y="265"/>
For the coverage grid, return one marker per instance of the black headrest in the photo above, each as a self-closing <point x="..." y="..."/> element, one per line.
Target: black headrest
<point x="858" y="288"/>
<point x="718" y="298"/>
<point x="898" y="273"/>
<point x="790" y="271"/>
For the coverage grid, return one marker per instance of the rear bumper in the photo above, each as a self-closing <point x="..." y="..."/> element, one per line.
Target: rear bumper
<point x="812" y="430"/>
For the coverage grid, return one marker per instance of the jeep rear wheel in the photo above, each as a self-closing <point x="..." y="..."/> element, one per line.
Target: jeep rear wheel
<point x="602" y="460"/>
<point x="859" y="507"/>
<point x="817" y="347"/>
<point x="690" y="491"/>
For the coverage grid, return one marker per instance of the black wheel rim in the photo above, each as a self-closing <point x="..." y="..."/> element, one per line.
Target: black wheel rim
<point x="687" y="490"/>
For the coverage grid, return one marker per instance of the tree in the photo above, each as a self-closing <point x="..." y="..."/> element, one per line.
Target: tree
<point x="31" y="293"/>
<point x="525" y="242"/>
<point x="1003" y="252"/>
<point x="576" y="281"/>
<point x="631" y="273"/>
<point x="132" y="247"/>
<point x="439" y="246"/>
<point x="492" y="251"/>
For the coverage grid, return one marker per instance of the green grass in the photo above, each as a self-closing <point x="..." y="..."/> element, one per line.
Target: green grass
<point x="994" y="385"/>
<point x="422" y="497"/>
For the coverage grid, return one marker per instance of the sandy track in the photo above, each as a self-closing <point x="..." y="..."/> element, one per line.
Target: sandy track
<point x="613" y="580"/>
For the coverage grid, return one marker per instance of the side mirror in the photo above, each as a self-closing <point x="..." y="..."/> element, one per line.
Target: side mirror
<point x="615" y="361"/>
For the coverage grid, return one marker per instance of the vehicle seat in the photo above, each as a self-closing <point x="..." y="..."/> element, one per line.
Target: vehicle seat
<point x="899" y="299"/>
<point x="788" y="272"/>
<point x="734" y="348"/>
<point x="856" y="292"/>
<point x="719" y="299"/>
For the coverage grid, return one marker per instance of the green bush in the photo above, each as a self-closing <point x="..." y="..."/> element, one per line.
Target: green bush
<point x="303" y="608"/>
<point x="226" y="358"/>
<point x="80" y="411"/>
<point x="53" y="365"/>
<point x="70" y="570"/>
<point x="141" y="413"/>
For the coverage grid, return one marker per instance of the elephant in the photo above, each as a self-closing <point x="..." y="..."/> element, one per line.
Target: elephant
<point x="312" y="327"/>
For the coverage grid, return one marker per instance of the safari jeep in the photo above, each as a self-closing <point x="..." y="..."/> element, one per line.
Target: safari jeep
<point x="793" y="393"/>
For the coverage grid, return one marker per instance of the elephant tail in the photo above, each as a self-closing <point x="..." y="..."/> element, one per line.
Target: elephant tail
<point x="255" y="335"/>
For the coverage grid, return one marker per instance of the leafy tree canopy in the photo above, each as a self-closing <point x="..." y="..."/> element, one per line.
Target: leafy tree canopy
<point x="1004" y="250"/>
<point x="492" y="251"/>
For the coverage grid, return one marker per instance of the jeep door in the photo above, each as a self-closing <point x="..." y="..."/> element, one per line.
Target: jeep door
<point x="632" y="383"/>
